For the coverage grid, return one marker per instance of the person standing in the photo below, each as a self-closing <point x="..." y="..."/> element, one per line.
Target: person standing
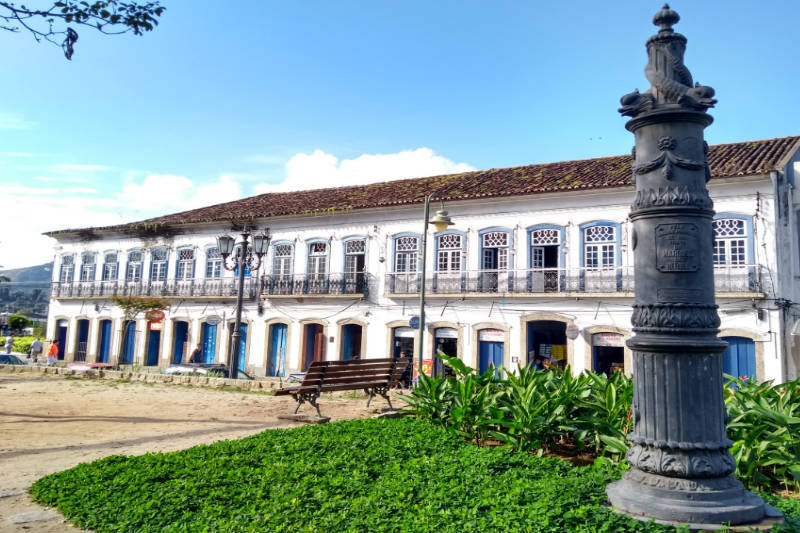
<point x="52" y="354"/>
<point x="197" y="354"/>
<point x="36" y="349"/>
<point x="9" y="344"/>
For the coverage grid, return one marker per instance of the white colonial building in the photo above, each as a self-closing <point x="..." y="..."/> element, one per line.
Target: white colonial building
<point x="538" y="263"/>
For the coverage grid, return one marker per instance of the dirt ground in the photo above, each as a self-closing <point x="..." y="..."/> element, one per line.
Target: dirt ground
<point x="51" y="423"/>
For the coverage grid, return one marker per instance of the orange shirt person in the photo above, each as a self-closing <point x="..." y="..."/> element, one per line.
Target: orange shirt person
<point x="52" y="354"/>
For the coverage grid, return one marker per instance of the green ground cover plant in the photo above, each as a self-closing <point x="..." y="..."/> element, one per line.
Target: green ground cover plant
<point x="546" y="411"/>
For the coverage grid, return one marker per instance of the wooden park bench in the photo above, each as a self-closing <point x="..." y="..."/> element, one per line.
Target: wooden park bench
<point x="373" y="376"/>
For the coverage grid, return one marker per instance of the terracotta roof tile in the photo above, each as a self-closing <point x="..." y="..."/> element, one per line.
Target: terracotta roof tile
<point x="725" y="160"/>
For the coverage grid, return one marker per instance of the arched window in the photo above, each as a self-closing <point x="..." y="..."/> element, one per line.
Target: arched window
<point x="406" y="253"/>
<point x="110" y="266"/>
<point x="133" y="271"/>
<point x="731" y="238"/>
<point x="213" y="262"/>
<point x="158" y="264"/>
<point x="185" y="266"/>
<point x="600" y="246"/>
<point x="355" y="251"/>
<point x="282" y="260"/>
<point x="67" y="273"/>
<point x="495" y="260"/>
<point x="88" y="260"/>
<point x="449" y="252"/>
<point x="317" y="266"/>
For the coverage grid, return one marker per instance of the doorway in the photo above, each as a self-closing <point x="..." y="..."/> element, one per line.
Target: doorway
<point x="209" y="336"/>
<point x="242" y="349"/>
<point x="104" y="345"/>
<point x="153" y="344"/>
<point x="61" y="338"/>
<point x="179" y="341"/>
<point x="546" y="341"/>
<point x="276" y="364"/>
<point x="128" y="343"/>
<point x="608" y="353"/>
<point x="491" y="348"/>
<point x="82" y="341"/>
<point x="739" y="359"/>
<point x="446" y="341"/>
<point x="351" y="341"/>
<point x="313" y="344"/>
<point x="403" y="346"/>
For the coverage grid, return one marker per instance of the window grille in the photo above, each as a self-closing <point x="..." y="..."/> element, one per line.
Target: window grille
<point x="213" y="263"/>
<point x="730" y="242"/>
<point x="599" y="247"/>
<point x="600" y="234"/>
<point x="317" y="259"/>
<point x="407" y="244"/>
<point x="318" y="248"/>
<point x="449" y="241"/>
<point x="357" y="246"/>
<point x="495" y="239"/>
<point x="544" y="237"/>
<point x="158" y="264"/>
<point x="282" y="261"/>
<point x="185" y="268"/>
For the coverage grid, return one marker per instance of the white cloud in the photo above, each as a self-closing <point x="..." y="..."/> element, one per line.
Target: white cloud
<point x="14" y="121"/>
<point x="167" y="193"/>
<point x="320" y="169"/>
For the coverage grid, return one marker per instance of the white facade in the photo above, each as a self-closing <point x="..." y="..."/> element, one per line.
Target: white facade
<point x="505" y="282"/>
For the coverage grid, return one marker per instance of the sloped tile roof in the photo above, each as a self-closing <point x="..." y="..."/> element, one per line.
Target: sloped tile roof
<point x="725" y="160"/>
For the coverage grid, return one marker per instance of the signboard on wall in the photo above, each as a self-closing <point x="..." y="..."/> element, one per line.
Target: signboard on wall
<point x="154" y="315"/>
<point x="155" y="326"/>
<point x="213" y="320"/>
<point x="446" y="333"/>
<point x="491" y="335"/>
<point x="404" y="332"/>
<point x="608" y="339"/>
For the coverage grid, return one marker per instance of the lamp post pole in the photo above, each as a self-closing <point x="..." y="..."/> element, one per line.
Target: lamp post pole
<point x="246" y="255"/>
<point x="441" y="221"/>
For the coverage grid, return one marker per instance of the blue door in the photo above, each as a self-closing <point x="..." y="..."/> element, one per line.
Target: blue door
<point x="128" y="343"/>
<point x="105" y="341"/>
<point x="740" y="358"/>
<point x="490" y="353"/>
<point x="83" y="340"/>
<point x="277" y="350"/>
<point x="351" y="342"/>
<point x="62" y="339"/>
<point x="209" y="342"/>
<point x="153" y="344"/>
<point x="180" y="336"/>
<point x="242" y="346"/>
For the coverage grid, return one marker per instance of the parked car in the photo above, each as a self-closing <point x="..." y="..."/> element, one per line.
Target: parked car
<point x="7" y="359"/>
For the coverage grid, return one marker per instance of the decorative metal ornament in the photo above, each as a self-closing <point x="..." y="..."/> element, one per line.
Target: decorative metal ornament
<point x="681" y="469"/>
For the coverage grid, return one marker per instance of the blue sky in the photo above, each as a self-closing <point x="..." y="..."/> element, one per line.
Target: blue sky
<point x="225" y="100"/>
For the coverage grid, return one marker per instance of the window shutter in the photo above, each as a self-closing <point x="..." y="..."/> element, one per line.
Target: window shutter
<point x="116" y="272"/>
<point x="94" y="269"/>
<point x="194" y="264"/>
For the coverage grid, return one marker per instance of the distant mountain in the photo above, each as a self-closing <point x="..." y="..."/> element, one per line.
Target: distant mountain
<point x="41" y="273"/>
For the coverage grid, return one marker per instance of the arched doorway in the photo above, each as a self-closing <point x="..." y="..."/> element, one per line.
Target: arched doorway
<point x="608" y="353"/>
<point x="351" y="341"/>
<point x="82" y="340"/>
<point x="180" y="340"/>
<point x="128" y="343"/>
<point x="104" y="344"/>
<point x="313" y="344"/>
<point x="276" y="358"/>
<point x="546" y="342"/>
<point x="491" y="349"/>
<point x="242" y="349"/>
<point x="446" y="341"/>
<point x="739" y="359"/>
<point x="208" y="334"/>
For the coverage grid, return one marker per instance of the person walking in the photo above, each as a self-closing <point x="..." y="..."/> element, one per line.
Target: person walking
<point x="9" y="344"/>
<point x="52" y="354"/>
<point x="36" y="350"/>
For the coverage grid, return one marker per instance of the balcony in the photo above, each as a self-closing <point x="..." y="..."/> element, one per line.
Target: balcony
<point x="300" y="285"/>
<point x="311" y="285"/>
<point x="618" y="281"/>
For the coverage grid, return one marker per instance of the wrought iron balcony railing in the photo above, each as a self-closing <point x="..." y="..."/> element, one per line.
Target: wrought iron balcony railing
<point x="316" y="284"/>
<point x="727" y="279"/>
<point x="309" y="284"/>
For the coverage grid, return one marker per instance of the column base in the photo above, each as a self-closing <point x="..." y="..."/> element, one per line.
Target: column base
<point x="698" y="501"/>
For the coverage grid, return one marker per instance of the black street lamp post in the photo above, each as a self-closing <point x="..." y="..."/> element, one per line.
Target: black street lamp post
<point x="247" y="255"/>
<point x="441" y="222"/>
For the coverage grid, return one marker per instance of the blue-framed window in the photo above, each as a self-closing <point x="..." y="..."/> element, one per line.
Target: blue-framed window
<point x="406" y="252"/>
<point x="133" y="268"/>
<point x="158" y="264"/>
<point x="496" y="259"/>
<point x="733" y="240"/>
<point x="545" y="243"/>
<point x="318" y="253"/>
<point x="88" y="266"/>
<point x="213" y="263"/>
<point x="450" y="252"/>
<point x="67" y="269"/>
<point x="184" y="259"/>
<point x="355" y="264"/>
<point x="601" y="245"/>
<point x="110" y="266"/>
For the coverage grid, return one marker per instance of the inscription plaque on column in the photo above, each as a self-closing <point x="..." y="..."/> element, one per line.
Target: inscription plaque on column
<point x="677" y="247"/>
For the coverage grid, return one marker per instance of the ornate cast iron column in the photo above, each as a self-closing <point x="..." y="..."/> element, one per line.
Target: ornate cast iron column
<point x="681" y="469"/>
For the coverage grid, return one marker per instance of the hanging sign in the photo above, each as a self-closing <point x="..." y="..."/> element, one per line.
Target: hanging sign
<point x="608" y="339"/>
<point x="413" y="323"/>
<point x="491" y="335"/>
<point x="213" y="320"/>
<point x="572" y="331"/>
<point x="154" y="315"/>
